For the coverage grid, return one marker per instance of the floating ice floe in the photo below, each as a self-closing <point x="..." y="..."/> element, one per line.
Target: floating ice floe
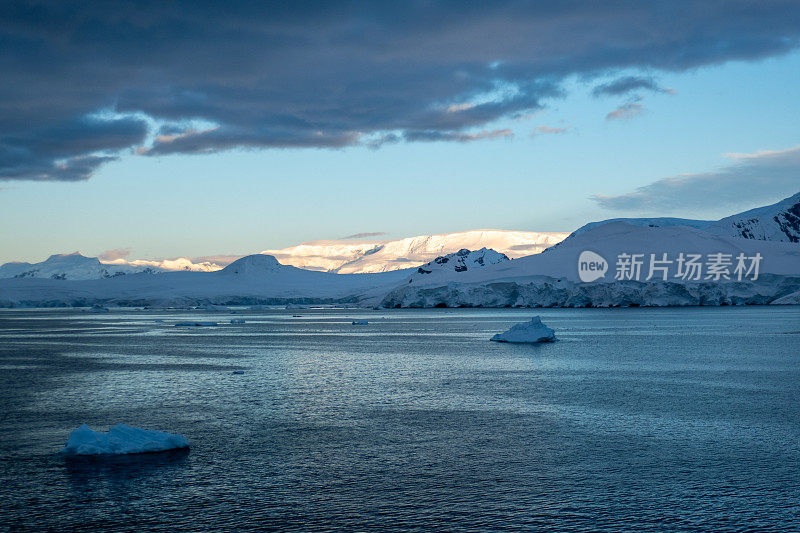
<point x="98" y="309"/>
<point x="194" y="324"/>
<point x="533" y="331"/>
<point x="121" y="439"/>
<point x="360" y="322"/>
<point x="237" y="320"/>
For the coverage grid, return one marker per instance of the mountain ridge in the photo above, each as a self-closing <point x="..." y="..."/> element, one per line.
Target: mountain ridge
<point x="775" y="222"/>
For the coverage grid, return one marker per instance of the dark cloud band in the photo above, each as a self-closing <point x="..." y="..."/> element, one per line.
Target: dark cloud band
<point x="84" y="82"/>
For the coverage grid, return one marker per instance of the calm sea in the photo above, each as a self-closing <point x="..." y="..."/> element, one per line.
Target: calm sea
<point x="635" y="420"/>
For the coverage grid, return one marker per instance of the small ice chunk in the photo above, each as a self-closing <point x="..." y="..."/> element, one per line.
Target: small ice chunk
<point x="533" y="331"/>
<point x="237" y="320"/>
<point x="195" y="324"/>
<point x="360" y="322"/>
<point x="121" y="439"/>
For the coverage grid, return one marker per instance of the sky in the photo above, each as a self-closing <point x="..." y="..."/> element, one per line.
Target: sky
<point x="197" y="129"/>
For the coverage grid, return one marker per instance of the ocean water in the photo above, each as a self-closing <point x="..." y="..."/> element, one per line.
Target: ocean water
<point x="635" y="420"/>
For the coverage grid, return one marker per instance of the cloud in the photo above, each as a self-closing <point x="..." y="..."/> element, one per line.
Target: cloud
<point x="627" y="84"/>
<point x="364" y="235"/>
<point x="761" y="176"/>
<point x="117" y="253"/>
<point x="433" y="135"/>
<point x="85" y="83"/>
<point x="546" y="130"/>
<point x="628" y="110"/>
<point x="68" y="150"/>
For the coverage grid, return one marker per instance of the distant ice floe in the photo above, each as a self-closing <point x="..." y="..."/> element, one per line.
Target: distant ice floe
<point x="120" y="440"/>
<point x="360" y="322"/>
<point x="529" y="332"/>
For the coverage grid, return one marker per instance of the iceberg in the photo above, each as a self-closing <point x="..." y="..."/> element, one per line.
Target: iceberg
<point x="360" y="322"/>
<point x="237" y="321"/>
<point x="121" y="439"/>
<point x="533" y="331"/>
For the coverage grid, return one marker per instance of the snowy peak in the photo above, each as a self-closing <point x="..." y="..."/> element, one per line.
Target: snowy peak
<point x="462" y="261"/>
<point x="456" y="265"/>
<point x="75" y="258"/>
<point x="252" y="265"/>
<point x="350" y="257"/>
<point x="74" y="266"/>
<point x="777" y="222"/>
<point x="650" y="222"/>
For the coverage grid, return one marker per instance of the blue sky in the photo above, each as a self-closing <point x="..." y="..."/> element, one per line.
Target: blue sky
<point x="238" y="200"/>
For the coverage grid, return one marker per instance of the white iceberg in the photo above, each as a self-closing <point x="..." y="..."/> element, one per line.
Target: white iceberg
<point x="533" y="331"/>
<point x="121" y="439"/>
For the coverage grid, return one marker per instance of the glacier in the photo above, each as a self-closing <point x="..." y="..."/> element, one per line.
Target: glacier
<point x="121" y="439"/>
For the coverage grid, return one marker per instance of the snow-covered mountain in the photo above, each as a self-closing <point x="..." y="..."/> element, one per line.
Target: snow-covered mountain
<point x="450" y="265"/>
<point x="253" y="266"/>
<point x="553" y="278"/>
<point x="253" y="279"/>
<point x="630" y="262"/>
<point x="343" y="257"/>
<point x="354" y="257"/>
<point x="776" y="222"/>
<point x="69" y="267"/>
